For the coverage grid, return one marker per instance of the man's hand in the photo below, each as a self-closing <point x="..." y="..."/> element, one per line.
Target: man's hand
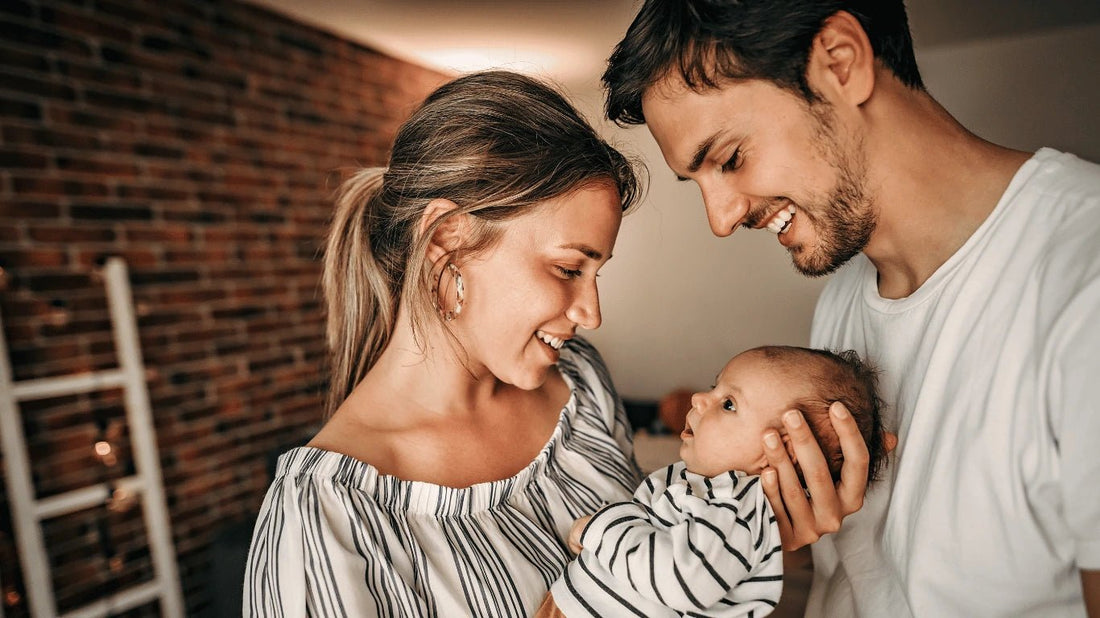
<point x="804" y="516"/>
<point x="575" y="534"/>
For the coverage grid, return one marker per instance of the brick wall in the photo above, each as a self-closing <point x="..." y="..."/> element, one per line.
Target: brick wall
<point x="201" y="141"/>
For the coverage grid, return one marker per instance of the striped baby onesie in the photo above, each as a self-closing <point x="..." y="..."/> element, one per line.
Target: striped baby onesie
<point x="336" y="538"/>
<point x="686" y="545"/>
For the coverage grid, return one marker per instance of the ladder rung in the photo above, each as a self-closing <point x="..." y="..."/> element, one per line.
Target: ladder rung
<point x="85" y="497"/>
<point x="42" y="388"/>
<point x="119" y="601"/>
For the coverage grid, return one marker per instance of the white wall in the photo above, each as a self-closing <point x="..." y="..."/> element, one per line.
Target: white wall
<point x="1042" y="89"/>
<point x="677" y="302"/>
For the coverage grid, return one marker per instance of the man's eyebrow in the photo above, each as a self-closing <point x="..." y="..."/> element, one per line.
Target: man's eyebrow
<point x="585" y="249"/>
<point x="701" y="153"/>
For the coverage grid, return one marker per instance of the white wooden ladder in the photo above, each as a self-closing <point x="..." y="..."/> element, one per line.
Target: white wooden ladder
<point x="28" y="511"/>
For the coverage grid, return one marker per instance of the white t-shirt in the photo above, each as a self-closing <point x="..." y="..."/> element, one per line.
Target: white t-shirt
<point x="991" y="371"/>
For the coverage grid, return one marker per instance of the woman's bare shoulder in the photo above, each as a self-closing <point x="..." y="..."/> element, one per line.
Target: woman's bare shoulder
<point x="362" y="429"/>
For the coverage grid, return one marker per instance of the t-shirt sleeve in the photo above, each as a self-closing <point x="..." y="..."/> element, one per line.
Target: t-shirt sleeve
<point x="686" y="551"/>
<point x="1074" y="401"/>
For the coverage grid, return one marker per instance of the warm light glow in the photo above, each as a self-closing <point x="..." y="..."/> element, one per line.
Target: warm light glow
<point x="121" y="501"/>
<point x="467" y="59"/>
<point x="103" y="448"/>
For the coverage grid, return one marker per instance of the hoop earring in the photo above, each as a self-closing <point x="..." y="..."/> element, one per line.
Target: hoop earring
<point x="460" y="293"/>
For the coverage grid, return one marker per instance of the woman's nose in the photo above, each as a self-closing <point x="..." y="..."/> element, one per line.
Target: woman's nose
<point x="585" y="309"/>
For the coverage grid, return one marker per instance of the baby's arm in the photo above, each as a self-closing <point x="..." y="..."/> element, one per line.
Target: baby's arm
<point x="689" y="564"/>
<point x="574" y="540"/>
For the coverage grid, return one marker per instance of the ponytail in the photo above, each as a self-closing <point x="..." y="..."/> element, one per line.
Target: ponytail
<point x="360" y="292"/>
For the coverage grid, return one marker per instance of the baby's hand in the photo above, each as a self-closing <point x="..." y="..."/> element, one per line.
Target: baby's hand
<point x="575" y="534"/>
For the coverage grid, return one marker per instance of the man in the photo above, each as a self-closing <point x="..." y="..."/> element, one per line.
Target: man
<point x="968" y="272"/>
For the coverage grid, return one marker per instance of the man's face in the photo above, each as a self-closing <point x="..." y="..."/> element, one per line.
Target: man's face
<point x="764" y="158"/>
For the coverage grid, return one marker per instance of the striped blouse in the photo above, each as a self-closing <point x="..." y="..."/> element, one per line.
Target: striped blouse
<point x="336" y="538"/>
<point x="686" y="545"/>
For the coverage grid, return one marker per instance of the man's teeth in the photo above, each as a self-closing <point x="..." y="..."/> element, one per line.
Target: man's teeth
<point x="550" y="340"/>
<point x="782" y="220"/>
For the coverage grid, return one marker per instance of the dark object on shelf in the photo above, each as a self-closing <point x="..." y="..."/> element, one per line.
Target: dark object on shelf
<point x="640" y="412"/>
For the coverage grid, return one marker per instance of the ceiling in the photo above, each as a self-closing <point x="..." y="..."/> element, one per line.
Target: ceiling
<point x="569" y="40"/>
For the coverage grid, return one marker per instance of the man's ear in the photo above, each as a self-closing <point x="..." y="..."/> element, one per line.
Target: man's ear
<point x="842" y="62"/>
<point x="448" y="235"/>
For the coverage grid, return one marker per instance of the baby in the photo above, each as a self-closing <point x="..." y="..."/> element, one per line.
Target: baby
<point x="700" y="538"/>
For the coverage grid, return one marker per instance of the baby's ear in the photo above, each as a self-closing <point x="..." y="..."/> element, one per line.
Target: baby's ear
<point x="790" y="447"/>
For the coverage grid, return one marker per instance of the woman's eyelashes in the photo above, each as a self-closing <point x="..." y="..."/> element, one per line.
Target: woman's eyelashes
<point x="569" y="273"/>
<point x="734" y="161"/>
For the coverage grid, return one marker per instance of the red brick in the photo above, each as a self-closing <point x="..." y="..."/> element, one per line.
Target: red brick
<point x="101" y="167"/>
<point x="32" y="258"/>
<point x="54" y="187"/>
<point x="135" y="258"/>
<point x="22" y="210"/>
<point x="111" y="212"/>
<point x="161" y="233"/>
<point x="200" y="149"/>
<point x="22" y="159"/>
<point x="60" y="234"/>
<point x="105" y="120"/>
<point x="55" y="138"/>
<point x="42" y="38"/>
<point x="87" y="24"/>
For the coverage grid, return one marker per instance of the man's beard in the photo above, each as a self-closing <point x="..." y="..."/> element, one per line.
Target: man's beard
<point x="844" y="220"/>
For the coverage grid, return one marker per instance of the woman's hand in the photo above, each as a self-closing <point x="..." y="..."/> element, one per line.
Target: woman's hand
<point x="575" y="534"/>
<point x="804" y="516"/>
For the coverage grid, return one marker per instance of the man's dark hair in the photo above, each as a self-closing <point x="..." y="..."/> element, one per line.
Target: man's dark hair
<point x="708" y="41"/>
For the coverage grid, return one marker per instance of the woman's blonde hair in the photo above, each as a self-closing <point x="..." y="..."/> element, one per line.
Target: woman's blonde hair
<point x="496" y="144"/>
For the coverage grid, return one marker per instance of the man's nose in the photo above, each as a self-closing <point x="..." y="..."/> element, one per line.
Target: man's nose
<point x="725" y="211"/>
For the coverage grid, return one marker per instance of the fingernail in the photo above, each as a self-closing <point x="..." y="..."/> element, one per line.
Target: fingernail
<point x="838" y="410"/>
<point x="769" y="476"/>
<point x="792" y="419"/>
<point x="771" y="439"/>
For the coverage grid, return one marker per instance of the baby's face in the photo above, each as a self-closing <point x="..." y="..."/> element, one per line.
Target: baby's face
<point x="725" y="426"/>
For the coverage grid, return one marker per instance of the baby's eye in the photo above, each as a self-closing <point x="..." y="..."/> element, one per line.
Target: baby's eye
<point x="729" y="405"/>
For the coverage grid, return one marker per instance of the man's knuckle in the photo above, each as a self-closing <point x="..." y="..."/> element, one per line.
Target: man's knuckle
<point x="829" y="524"/>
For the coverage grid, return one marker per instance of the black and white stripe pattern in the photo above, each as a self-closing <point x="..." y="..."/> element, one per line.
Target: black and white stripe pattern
<point x="686" y="545"/>
<point x="335" y="538"/>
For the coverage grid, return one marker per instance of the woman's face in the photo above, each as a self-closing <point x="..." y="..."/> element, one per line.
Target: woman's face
<point x="531" y="292"/>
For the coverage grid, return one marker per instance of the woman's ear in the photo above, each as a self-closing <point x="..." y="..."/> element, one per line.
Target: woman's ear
<point x="448" y="235"/>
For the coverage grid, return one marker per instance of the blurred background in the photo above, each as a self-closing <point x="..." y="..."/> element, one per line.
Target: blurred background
<point x="200" y="140"/>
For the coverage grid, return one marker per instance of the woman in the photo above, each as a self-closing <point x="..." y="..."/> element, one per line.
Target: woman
<point x="469" y="427"/>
